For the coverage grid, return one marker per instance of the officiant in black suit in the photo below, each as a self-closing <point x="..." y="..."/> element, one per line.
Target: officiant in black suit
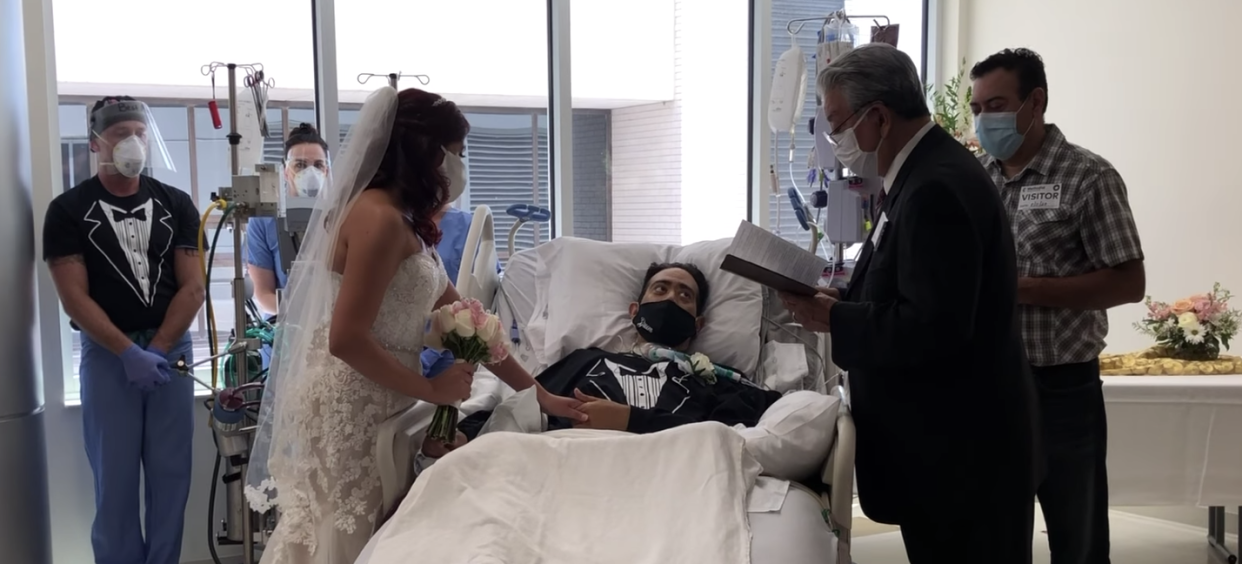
<point x="942" y="398"/>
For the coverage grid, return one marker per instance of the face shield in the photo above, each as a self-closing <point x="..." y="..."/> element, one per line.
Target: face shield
<point x="128" y="138"/>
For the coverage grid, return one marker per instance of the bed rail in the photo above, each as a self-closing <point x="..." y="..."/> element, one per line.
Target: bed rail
<point x="838" y="475"/>
<point x="478" y="278"/>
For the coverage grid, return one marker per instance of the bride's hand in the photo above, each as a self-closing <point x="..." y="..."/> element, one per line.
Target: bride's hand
<point x="560" y="406"/>
<point x="452" y="385"/>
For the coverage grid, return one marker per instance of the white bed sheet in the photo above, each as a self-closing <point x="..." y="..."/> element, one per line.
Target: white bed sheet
<point x="796" y="534"/>
<point x="1174" y="440"/>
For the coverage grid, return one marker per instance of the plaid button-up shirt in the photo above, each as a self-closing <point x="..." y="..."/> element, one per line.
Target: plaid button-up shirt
<point x="1070" y="216"/>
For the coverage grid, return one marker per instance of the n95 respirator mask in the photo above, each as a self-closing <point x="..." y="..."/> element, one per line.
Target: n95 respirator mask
<point x="309" y="182"/>
<point x="129" y="157"/>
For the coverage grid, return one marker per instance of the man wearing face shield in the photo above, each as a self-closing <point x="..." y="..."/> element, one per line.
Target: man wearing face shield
<point x="940" y="392"/>
<point x="1078" y="255"/>
<point x="657" y="384"/>
<point x="122" y="248"/>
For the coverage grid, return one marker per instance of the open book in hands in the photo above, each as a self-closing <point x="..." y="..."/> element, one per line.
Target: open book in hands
<point x="760" y="256"/>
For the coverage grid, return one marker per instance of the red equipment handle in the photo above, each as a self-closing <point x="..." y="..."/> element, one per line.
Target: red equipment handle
<point x="214" y="108"/>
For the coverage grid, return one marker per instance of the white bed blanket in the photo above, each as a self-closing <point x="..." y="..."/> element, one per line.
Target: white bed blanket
<point x="575" y="496"/>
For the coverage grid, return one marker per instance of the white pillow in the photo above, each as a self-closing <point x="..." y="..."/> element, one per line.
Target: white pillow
<point x="794" y="435"/>
<point x="734" y="312"/>
<point x="587" y="289"/>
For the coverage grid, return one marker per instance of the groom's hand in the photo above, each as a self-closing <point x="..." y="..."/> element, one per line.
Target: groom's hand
<point x="559" y="406"/>
<point x="602" y="414"/>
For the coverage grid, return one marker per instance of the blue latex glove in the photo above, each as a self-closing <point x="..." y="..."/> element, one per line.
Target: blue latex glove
<point x="435" y="362"/>
<point x="168" y="371"/>
<point x="144" y="369"/>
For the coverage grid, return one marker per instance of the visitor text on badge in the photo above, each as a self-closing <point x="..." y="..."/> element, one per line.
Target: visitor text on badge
<point x="1041" y="197"/>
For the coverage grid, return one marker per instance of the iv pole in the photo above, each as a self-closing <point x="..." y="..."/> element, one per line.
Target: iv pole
<point x="240" y="195"/>
<point x="393" y="78"/>
<point x="239" y="300"/>
<point x="794" y="27"/>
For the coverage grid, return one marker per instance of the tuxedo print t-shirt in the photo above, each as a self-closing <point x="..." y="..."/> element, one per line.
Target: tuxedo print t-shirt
<point x="660" y="395"/>
<point x="128" y="245"/>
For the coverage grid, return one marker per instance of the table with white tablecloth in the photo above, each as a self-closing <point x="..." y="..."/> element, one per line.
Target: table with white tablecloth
<point x="1176" y="440"/>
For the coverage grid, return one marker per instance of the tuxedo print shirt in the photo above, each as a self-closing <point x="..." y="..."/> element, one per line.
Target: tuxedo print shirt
<point x="127" y="243"/>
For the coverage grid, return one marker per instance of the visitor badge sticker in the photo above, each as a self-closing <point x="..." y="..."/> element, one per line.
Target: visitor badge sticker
<point x="1040" y="197"/>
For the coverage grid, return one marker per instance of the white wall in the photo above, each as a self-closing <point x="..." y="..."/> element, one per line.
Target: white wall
<point x="72" y="493"/>
<point x="1153" y="92"/>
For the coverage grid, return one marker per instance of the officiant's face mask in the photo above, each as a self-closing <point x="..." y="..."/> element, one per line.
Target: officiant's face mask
<point x="865" y="164"/>
<point x="667" y="314"/>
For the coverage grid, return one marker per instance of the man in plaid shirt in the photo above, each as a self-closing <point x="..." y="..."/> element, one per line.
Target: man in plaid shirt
<point x="1078" y="255"/>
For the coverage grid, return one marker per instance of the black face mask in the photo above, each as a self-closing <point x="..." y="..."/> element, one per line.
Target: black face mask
<point x="665" y="323"/>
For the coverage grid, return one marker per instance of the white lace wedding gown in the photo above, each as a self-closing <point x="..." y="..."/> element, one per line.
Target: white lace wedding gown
<point x="329" y="503"/>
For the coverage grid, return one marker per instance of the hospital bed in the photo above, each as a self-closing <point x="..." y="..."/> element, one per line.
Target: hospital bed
<point x="545" y="314"/>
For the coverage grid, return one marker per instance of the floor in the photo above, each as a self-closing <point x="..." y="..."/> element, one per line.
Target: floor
<point x="1136" y="539"/>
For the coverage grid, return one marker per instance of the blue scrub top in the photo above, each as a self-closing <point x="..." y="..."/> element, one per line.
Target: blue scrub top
<point x="263" y="247"/>
<point x="454" y="228"/>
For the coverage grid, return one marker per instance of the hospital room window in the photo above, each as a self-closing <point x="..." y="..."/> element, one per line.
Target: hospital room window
<point x="506" y="151"/>
<point x="507" y="164"/>
<point x="907" y="14"/>
<point x="671" y="78"/>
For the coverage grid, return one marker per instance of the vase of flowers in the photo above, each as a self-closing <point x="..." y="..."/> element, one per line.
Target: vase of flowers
<point x="1198" y="327"/>
<point x="471" y="334"/>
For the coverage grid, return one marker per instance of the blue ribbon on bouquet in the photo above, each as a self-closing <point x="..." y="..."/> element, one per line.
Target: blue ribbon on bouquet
<point x="435" y="362"/>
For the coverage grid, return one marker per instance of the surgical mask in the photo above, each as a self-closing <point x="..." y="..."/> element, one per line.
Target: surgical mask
<point x="998" y="133"/>
<point x="454" y="168"/>
<point x="665" y="323"/>
<point x="308" y="182"/>
<point x="865" y="164"/>
<point x="129" y="157"/>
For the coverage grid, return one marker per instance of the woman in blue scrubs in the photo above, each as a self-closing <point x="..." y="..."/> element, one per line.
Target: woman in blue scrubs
<point x="306" y="172"/>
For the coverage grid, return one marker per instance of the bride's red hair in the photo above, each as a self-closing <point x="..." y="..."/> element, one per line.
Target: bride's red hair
<point x="425" y="123"/>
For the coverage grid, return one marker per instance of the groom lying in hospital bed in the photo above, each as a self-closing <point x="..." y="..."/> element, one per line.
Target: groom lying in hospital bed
<point x="659" y="385"/>
<point x="734" y="476"/>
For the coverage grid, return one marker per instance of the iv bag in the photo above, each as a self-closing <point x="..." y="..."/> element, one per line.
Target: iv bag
<point x="788" y="94"/>
<point x="839" y="38"/>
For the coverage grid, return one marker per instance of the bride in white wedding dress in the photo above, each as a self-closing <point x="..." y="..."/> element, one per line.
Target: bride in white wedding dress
<point x="347" y="353"/>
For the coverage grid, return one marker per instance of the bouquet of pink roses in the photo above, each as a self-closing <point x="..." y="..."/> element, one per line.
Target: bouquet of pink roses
<point x="472" y="335"/>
